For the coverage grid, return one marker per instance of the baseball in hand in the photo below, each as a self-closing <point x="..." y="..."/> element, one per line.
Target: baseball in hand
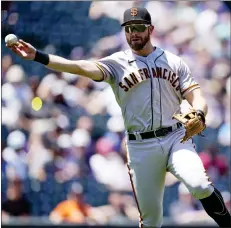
<point x="11" y="39"/>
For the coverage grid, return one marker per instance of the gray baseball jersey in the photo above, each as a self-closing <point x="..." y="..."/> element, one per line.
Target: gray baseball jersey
<point x="149" y="91"/>
<point x="147" y="104"/>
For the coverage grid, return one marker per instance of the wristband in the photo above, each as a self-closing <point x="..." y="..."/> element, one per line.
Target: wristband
<point x="41" y="57"/>
<point x="201" y="114"/>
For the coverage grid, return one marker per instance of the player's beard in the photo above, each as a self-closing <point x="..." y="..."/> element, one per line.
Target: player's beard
<point x="137" y="46"/>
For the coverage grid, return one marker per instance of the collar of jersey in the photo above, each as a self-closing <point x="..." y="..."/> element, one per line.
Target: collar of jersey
<point x="133" y="57"/>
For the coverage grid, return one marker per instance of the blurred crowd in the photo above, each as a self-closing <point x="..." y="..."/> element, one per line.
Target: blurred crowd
<point x="68" y="160"/>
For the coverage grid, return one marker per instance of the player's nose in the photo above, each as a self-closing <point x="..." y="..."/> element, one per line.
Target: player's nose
<point x="135" y="37"/>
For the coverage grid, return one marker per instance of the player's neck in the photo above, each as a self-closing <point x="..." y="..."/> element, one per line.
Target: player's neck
<point x="147" y="50"/>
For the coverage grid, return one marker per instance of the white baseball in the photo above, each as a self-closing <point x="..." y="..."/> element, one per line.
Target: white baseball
<point x="11" y="39"/>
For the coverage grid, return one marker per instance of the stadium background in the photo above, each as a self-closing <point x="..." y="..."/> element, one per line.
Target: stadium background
<point x="76" y="141"/>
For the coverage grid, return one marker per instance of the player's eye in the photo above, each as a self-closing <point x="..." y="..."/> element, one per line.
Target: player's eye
<point x="135" y="28"/>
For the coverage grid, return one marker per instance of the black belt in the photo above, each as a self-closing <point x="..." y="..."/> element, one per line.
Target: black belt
<point x="152" y="134"/>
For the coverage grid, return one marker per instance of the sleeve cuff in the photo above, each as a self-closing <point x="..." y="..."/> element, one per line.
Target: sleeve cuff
<point x="189" y="89"/>
<point x="103" y="72"/>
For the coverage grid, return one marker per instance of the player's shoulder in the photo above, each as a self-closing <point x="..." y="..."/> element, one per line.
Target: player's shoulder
<point x="125" y="54"/>
<point x="171" y="56"/>
<point x="118" y="57"/>
<point x="173" y="60"/>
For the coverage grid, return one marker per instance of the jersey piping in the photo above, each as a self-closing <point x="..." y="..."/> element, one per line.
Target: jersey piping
<point x="152" y="90"/>
<point x="102" y="70"/>
<point x="159" y="90"/>
<point x="195" y="86"/>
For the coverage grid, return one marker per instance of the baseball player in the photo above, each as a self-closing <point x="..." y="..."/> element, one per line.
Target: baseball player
<point x="149" y="84"/>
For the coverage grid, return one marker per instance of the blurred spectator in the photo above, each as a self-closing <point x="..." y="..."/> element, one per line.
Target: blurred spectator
<point x="61" y="166"/>
<point x="72" y="210"/>
<point x="121" y="209"/>
<point x="38" y="156"/>
<point x="215" y="164"/>
<point x="108" y="166"/>
<point x="15" y="155"/>
<point x="34" y="84"/>
<point x="16" y="203"/>
<point x="6" y="63"/>
<point x="186" y="209"/>
<point x="103" y="8"/>
<point x="85" y="122"/>
<point x="224" y="136"/>
<point x="16" y="79"/>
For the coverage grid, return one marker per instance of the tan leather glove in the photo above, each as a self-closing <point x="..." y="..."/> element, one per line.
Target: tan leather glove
<point x="193" y="121"/>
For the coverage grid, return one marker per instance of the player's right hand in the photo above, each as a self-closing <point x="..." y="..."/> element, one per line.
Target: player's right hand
<point x="23" y="49"/>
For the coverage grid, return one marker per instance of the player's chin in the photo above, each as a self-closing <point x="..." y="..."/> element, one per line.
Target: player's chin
<point x="137" y="46"/>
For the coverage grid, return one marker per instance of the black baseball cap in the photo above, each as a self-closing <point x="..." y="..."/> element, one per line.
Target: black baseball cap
<point x="137" y="14"/>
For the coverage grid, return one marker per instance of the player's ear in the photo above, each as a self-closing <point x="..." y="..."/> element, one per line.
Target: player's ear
<point x="151" y="29"/>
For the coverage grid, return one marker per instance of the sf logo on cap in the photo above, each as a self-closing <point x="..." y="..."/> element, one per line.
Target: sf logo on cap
<point x="134" y="12"/>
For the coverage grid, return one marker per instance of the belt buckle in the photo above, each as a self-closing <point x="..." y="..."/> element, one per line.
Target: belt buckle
<point x="138" y="135"/>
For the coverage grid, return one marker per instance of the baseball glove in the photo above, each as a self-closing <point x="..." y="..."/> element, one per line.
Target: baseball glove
<point x="193" y="121"/>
